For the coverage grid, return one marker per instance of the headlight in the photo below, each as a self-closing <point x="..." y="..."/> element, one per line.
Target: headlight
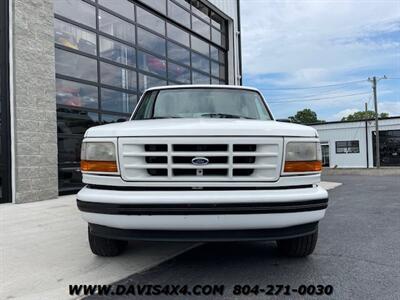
<point x="98" y="157"/>
<point x="303" y="157"/>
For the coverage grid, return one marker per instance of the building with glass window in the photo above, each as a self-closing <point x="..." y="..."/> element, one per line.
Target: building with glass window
<point x="67" y="65"/>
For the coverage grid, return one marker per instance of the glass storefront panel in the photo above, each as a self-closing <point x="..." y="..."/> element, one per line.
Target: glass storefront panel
<point x="74" y="121"/>
<point x="117" y="101"/>
<point x="146" y="81"/>
<point x="201" y="10"/>
<point x="138" y="48"/>
<point x="74" y="37"/>
<point x="199" y="78"/>
<point x="5" y="144"/>
<point x="160" y="5"/>
<point x="117" y="27"/>
<point x="178" y="53"/>
<point x="151" y="42"/>
<point x="76" y="94"/>
<point x="123" y="7"/>
<point x="75" y="65"/>
<point x="77" y="11"/>
<point x="201" y="27"/>
<point x="118" y="77"/>
<point x="184" y="3"/>
<point x="178" y="73"/>
<point x="150" y="21"/>
<point x="116" y="51"/>
<point x="178" y="14"/>
<point x="152" y="64"/>
<point x="200" y="46"/>
<point x="178" y="34"/>
<point x="200" y="62"/>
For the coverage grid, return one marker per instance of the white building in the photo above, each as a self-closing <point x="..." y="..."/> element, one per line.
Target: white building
<point x="351" y="144"/>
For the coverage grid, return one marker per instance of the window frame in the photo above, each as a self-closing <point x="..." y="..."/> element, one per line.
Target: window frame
<point x="347" y="147"/>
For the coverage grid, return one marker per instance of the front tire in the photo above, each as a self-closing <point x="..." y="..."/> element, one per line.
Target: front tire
<point x="300" y="246"/>
<point x="105" y="247"/>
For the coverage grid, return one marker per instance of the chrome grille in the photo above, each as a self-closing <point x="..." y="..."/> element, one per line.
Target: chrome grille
<point x="229" y="159"/>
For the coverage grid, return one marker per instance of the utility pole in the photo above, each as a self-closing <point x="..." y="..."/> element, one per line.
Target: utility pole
<point x="366" y="134"/>
<point x="374" y="81"/>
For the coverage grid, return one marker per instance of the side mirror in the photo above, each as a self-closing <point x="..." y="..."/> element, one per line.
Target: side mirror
<point x="284" y="120"/>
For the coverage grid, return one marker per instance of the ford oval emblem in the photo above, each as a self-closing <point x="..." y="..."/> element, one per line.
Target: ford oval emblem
<point x="200" y="161"/>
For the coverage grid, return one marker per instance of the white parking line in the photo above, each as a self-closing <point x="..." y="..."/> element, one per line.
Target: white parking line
<point x="329" y="185"/>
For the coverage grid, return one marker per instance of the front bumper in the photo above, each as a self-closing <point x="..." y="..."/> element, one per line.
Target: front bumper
<point x="203" y="210"/>
<point x="204" y="235"/>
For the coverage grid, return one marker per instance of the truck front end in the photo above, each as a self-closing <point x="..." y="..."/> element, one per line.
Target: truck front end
<point x="211" y="175"/>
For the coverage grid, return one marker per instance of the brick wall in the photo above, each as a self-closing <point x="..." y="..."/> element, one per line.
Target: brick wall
<point x="34" y="101"/>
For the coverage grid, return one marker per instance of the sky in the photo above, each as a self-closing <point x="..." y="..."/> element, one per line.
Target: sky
<point x="323" y="52"/>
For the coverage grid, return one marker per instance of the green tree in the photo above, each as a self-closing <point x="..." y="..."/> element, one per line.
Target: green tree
<point x="305" y="116"/>
<point x="363" y="115"/>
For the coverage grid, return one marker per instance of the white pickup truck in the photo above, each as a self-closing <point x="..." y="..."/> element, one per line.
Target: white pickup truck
<point x="202" y="163"/>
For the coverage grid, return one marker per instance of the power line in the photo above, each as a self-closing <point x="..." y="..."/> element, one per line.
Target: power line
<point x="321" y="98"/>
<point x="312" y="87"/>
<point x="325" y="93"/>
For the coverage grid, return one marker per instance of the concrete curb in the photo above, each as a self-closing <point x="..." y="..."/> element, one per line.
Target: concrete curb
<point x="362" y="171"/>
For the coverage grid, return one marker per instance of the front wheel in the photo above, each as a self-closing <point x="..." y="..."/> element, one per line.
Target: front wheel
<point x="105" y="247"/>
<point x="300" y="246"/>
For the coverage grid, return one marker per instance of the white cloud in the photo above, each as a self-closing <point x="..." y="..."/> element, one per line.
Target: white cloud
<point x="393" y="108"/>
<point x="317" y="40"/>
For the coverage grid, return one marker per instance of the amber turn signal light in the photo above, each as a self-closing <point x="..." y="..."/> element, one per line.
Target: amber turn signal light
<point x="303" y="166"/>
<point x="98" y="166"/>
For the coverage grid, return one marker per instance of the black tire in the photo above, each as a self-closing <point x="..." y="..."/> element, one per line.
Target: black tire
<point x="300" y="246"/>
<point x="105" y="247"/>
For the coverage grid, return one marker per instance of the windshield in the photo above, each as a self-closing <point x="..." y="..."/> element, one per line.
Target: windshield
<point x="202" y="103"/>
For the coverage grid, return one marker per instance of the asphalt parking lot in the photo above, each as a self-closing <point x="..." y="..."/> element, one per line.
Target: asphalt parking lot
<point x="357" y="251"/>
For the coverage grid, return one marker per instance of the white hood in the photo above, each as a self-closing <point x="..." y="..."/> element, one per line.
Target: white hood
<point x="200" y="127"/>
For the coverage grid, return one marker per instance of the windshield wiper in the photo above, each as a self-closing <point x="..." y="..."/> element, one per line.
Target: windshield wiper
<point x="225" y="116"/>
<point x="153" y="118"/>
